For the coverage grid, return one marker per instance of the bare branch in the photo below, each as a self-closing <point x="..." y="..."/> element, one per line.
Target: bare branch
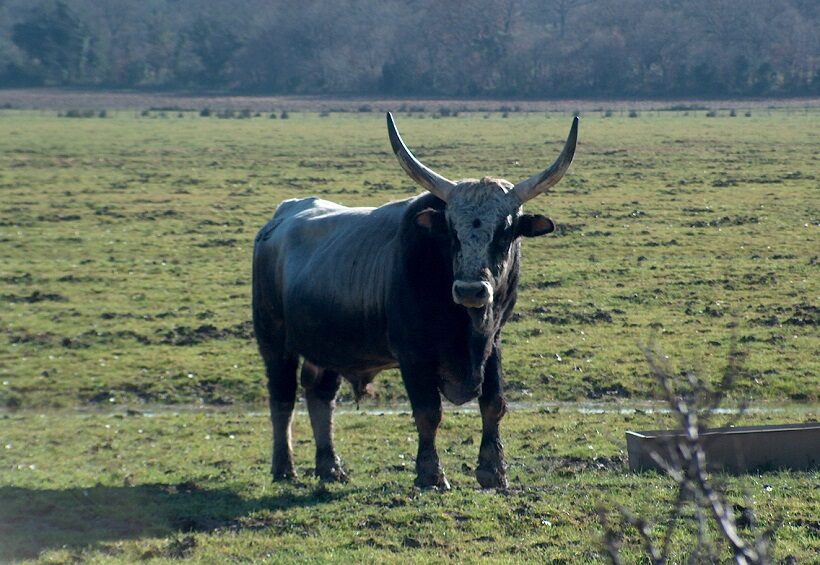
<point x="692" y="403"/>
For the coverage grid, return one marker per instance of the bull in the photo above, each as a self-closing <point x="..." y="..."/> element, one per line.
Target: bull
<point x="424" y="284"/>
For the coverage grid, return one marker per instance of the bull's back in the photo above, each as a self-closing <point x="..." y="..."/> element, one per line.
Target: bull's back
<point x="323" y="271"/>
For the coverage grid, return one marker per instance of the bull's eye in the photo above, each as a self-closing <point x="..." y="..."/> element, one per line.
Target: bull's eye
<point x="502" y="236"/>
<point x="476" y="223"/>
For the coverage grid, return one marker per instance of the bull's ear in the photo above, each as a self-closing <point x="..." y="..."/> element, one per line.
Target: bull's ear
<point x="431" y="220"/>
<point x="533" y="225"/>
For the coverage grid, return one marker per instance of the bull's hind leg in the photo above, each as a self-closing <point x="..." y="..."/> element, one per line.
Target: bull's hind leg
<point x="280" y="367"/>
<point x="282" y="389"/>
<point x="321" y="386"/>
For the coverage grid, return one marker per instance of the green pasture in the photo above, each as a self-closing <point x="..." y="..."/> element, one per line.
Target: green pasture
<point x="127" y="488"/>
<point x="127" y="241"/>
<point x="132" y="398"/>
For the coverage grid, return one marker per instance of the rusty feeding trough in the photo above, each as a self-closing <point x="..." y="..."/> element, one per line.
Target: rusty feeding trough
<point x="794" y="447"/>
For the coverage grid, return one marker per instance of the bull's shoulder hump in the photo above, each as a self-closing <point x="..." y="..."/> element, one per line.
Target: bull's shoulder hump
<point x="297" y="211"/>
<point x="314" y="208"/>
<point x="297" y="208"/>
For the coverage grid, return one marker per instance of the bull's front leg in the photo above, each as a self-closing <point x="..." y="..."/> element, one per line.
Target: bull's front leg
<point x="492" y="471"/>
<point x="426" y="402"/>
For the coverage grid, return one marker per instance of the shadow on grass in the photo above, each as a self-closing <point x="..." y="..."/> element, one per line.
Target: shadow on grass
<point x="34" y="520"/>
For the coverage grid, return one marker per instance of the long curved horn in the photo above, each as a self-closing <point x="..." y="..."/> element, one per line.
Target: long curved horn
<point x="427" y="178"/>
<point x="536" y="184"/>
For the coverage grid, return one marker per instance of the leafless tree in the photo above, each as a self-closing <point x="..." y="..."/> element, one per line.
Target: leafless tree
<point x="692" y="403"/>
<point x="496" y="48"/>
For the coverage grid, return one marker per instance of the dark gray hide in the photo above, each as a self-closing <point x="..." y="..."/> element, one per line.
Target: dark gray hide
<point x="424" y="284"/>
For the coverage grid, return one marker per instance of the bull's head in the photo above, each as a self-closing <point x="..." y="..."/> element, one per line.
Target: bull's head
<point x="483" y="219"/>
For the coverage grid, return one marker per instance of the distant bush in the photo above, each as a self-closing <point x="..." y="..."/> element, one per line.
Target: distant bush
<point x="364" y="108"/>
<point x="748" y="114"/>
<point x="272" y="115"/>
<point x="711" y="114"/>
<point x="607" y="114"/>
<point x="102" y="114"/>
<point x="245" y="114"/>
<point x="205" y="112"/>
<point x="633" y="114"/>
<point x="685" y="107"/>
<point x="732" y="113"/>
<point x="80" y="114"/>
<point x="444" y="112"/>
<point x="284" y="115"/>
<point x="324" y="114"/>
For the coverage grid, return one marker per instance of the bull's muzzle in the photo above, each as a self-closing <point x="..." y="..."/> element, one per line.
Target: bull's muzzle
<point x="472" y="294"/>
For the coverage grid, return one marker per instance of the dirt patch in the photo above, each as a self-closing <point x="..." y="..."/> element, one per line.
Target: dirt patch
<point x="598" y="391"/>
<point x="179" y="336"/>
<point x="185" y="335"/>
<point x="60" y="218"/>
<point x="799" y="315"/>
<point x="596" y="316"/>
<point x="40" y="339"/>
<point x="24" y="278"/>
<point x="132" y="315"/>
<point x="157" y="215"/>
<point x="562" y="230"/>
<point x="571" y="465"/>
<point x="230" y="242"/>
<point x="724" y="221"/>
<point x="36" y="296"/>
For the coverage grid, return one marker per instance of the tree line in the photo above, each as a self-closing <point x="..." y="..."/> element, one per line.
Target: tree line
<point x="459" y="48"/>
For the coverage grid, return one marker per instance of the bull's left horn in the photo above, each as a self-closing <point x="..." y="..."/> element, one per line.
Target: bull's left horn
<point x="536" y="184"/>
<point x="427" y="178"/>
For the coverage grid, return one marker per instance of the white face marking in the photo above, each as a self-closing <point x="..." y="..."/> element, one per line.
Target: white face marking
<point x="475" y="209"/>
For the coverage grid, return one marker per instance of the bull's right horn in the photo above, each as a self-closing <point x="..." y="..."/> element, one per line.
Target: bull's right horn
<point x="427" y="178"/>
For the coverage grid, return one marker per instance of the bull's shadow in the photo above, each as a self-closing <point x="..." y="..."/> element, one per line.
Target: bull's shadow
<point x="34" y="520"/>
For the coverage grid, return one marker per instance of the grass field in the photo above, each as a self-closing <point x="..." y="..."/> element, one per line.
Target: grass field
<point x="126" y="488"/>
<point x="124" y="282"/>
<point x="127" y="244"/>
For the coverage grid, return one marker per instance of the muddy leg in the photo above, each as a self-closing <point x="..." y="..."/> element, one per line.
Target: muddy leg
<point x="426" y="402"/>
<point x="491" y="471"/>
<point x="280" y="367"/>
<point x="282" y="389"/>
<point x="428" y="467"/>
<point x="321" y="387"/>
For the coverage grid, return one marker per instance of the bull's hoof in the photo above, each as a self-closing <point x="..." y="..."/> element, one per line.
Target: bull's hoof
<point x="283" y="470"/>
<point x="332" y="473"/>
<point x="491" y="477"/>
<point x="284" y="475"/>
<point x="432" y="481"/>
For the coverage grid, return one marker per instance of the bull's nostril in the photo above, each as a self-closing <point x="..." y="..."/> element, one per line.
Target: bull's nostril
<point x="481" y="292"/>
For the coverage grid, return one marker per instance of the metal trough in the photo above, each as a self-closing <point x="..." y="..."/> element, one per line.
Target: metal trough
<point x="795" y="447"/>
